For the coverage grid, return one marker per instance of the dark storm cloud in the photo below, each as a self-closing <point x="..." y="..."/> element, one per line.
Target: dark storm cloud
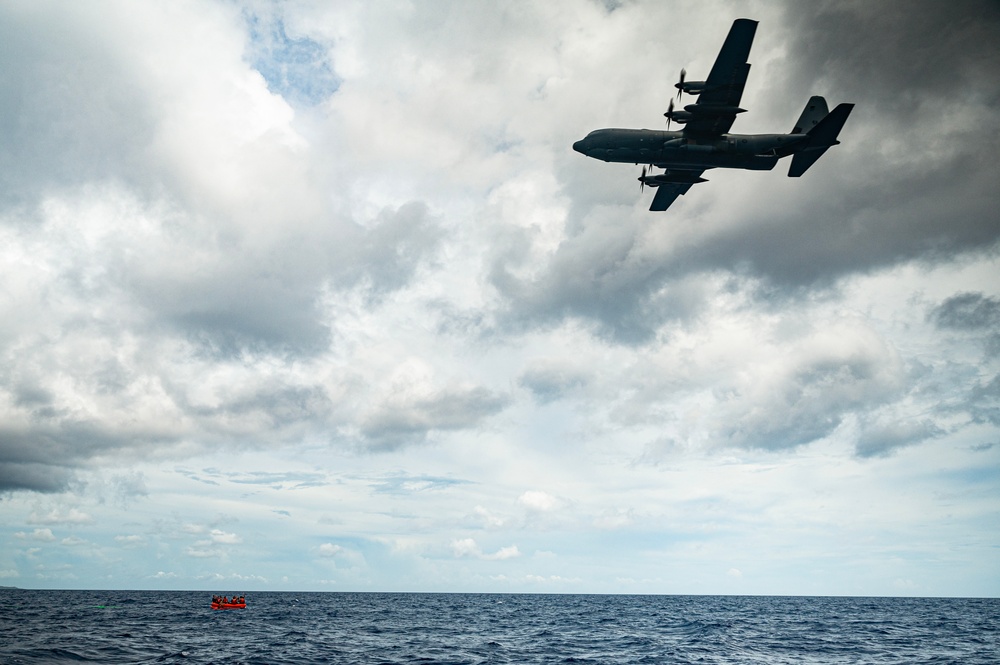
<point x="971" y="313"/>
<point x="42" y="455"/>
<point x="919" y="165"/>
<point x="34" y="477"/>
<point x="968" y="311"/>
<point x="898" y="55"/>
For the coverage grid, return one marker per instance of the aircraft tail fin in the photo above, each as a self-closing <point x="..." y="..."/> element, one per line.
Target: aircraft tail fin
<point x="814" y="111"/>
<point x="822" y="135"/>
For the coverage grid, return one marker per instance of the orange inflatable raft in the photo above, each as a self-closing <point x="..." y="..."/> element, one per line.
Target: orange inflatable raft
<point x="225" y="604"/>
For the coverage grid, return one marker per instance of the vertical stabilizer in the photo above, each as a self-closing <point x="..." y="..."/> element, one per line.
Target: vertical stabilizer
<point x="814" y="111"/>
<point x="822" y="136"/>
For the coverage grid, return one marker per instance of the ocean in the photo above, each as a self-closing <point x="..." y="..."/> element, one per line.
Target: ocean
<point x="360" y="628"/>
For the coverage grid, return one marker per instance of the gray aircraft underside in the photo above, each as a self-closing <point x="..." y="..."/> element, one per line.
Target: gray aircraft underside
<point x="705" y="142"/>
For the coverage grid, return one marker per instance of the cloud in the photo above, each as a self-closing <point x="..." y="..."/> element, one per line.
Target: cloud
<point x="162" y="575"/>
<point x="465" y="547"/>
<point x="968" y="311"/>
<point x="881" y="440"/>
<point x="71" y="516"/>
<point x="201" y="550"/>
<point x="410" y="418"/>
<point x="487" y="518"/>
<point x="468" y="547"/>
<point x="37" y="477"/>
<point x="537" y="500"/>
<point x="971" y="313"/>
<point x="984" y="401"/>
<point x="924" y="196"/>
<point x="804" y="397"/>
<point x="224" y="538"/>
<point x="234" y="577"/>
<point x="169" y="219"/>
<point x="598" y="273"/>
<point x="41" y="535"/>
<point x="551" y="379"/>
<point x="615" y="519"/>
<point x="128" y="487"/>
<point x="551" y="579"/>
<point x="62" y="99"/>
<point x="223" y="262"/>
<point x="347" y="249"/>
<point x="509" y="552"/>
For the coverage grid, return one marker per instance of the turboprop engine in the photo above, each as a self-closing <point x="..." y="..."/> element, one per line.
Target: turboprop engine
<point x="669" y="178"/>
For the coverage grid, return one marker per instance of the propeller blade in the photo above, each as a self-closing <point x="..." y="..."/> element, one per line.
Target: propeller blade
<point x="669" y="113"/>
<point x="680" y="84"/>
<point x="642" y="179"/>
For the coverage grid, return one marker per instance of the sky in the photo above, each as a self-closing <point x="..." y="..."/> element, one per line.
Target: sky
<point x="317" y="296"/>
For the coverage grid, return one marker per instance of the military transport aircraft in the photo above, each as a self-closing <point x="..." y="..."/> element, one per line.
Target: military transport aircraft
<point x="705" y="142"/>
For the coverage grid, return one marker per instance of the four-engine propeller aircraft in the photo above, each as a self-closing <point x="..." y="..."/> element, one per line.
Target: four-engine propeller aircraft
<point x="705" y="142"/>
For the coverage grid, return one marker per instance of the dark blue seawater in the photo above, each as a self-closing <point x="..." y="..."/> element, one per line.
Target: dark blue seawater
<point x="304" y="628"/>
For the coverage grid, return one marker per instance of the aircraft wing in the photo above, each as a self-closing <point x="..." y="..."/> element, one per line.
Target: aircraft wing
<point x="724" y="85"/>
<point x="666" y="195"/>
<point x="668" y="192"/>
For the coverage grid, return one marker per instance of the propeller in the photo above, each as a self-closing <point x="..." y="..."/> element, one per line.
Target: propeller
<point x="680" y="84"/>
<point x="670" y="112"/>
<point x="642" y="179"/>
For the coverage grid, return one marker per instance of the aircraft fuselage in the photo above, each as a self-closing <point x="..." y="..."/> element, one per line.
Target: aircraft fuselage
<point x="674" y="150"/>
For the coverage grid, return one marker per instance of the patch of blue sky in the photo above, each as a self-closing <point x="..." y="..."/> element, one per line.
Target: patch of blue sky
<point x="403" y="484"/>
<point x="298" y="69"/>
<point x="283" y="480"/>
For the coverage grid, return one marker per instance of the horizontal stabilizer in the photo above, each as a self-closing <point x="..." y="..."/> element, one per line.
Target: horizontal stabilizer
<point x="801" y="161"/>
<point x="821" y="136"/>
<point x="824" y="134"/>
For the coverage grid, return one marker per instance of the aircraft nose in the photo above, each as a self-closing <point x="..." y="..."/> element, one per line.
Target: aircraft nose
<point x="578" y="146"/>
